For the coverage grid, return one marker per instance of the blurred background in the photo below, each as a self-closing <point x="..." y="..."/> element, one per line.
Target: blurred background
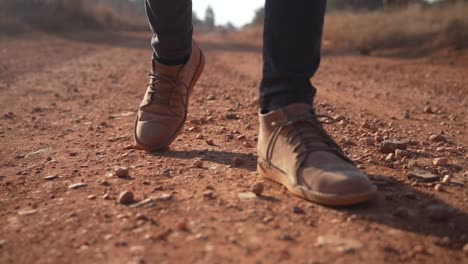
<point x="363" y="25"/>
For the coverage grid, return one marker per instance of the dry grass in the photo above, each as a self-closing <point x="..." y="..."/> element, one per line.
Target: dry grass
<point x="412" y="28"/>
<point x="58" y="15"/>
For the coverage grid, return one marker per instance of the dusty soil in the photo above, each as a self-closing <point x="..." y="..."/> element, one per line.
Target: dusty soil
<point x="67" y="108"/>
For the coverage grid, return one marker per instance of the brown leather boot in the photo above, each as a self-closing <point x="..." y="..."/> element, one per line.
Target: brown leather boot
<point x="296" y="151"/>
<point x="163" y="111"/>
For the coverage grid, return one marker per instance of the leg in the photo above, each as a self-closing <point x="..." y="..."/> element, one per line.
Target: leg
<point x="291" y="52"/>
<point x="171" y="22"/>
<point x="176" y="66"/>
<point x="293" y="147"/>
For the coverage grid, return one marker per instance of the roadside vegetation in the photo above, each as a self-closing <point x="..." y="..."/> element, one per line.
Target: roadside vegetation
<point x="419" y="27"/>
<point x="64" y="15"/>
<point x="371" y="26"/>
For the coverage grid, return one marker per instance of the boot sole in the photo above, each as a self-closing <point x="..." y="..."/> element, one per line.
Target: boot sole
<point x="278" y="176"/>
<point x="198" y="73"/>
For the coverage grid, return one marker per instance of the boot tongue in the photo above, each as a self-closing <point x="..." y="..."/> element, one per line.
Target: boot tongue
<point x="165" y="70"/>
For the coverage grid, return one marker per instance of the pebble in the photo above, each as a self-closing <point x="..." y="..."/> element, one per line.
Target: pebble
<point x="365" y="125"/>
<point x="50" y="177"/>
<point x="440" y="162"/>
<point x="338" y="118"/>
<point x="389" y="146"/>
<point x="198" y="163"/>
<point x="438" y="187"/>
<point x="439" y="212"/>
<point x="182" y="226"/>
<point x="77" y="185"/>
<point x="257" y="188"/>
<point x="390" y="157"/>
<point x="209" y="195"/>
<point x="121" y="172"/>
<point x="246" y="144"/>
<point x="400" y="153"/>
<point x="298" y="210"/>
<point x="27" y="212"/>
<point x="369" y="141"/>
<point x="210" y="142"/>
<point x="428" y="110"/>
<point x="246" y="195"/>
<point x="423" y="175"/>
<point x="237" y="161"/>
<point x="92" y="197"/>
<point x="142" y="217"/>
<point x="446" y="179"/>
<point x="126" y="197"/>
<point x="286" y="237"/>
<point x="211" y="97"/>
<point x="437" y="138"/>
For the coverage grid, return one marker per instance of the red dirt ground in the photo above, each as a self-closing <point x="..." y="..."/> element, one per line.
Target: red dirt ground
<point x="67" y="107"/>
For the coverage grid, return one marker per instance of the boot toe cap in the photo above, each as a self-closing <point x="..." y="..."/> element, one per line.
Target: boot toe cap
<point x="154" y="136"/>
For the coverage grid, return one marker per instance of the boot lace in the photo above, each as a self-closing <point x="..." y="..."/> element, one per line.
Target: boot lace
<point x="309" y="136"/>
<point x="161" y="95"/>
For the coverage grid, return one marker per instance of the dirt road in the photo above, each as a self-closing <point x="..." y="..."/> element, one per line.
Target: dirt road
<point x="67" y="107"/>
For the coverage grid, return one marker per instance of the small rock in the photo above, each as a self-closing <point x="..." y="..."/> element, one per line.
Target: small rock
<point x="369" y="141"/>
<point x="423" y="175"/>
<point x="365" y="125"/>
<point x="390" y="157"/>
<point x="338" y="118"/>
<point x="438" y="187"/>
<point x="27" y="212"/>
<point x="400" y="153"/>
<point x="210" y="142"/>
<point x="286" y="237"/>
<point x="428" y="110"/>
<point x="446" y="179"/>
<point x="246" y="195"/>
<point x="406" y="114"/>
<point x="50" y="177"/>
<point x="246" y="144"/>
<point x="198" y="163"/>
<point x="142" y="217"/>
<point x="437" y="138"/>
<point x="182" y="226"/>
<point x="440" y="162"/>
<point x="389" y="146"/>
<point x="126" y="197"/>
<point x="241" y="137"/>
<point x="237" y="161"/>
<point x="298" y="210"/>
<point x="209" y="195"/>
<point x="106" y="196"/>
<point x="121" y="172"/>
<point x="92" y="197"/>
<point x="165" y="197"/>
<point x="77" y="185"/>
<point x="211" y="97"/>
<point x="439" y="212"/>
<point x="257" y="188"/>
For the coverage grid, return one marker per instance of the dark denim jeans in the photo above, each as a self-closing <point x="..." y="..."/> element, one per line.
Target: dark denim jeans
<point x="291" y="52"/>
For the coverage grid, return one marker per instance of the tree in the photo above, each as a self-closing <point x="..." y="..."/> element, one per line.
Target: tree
<point x="259" y="16"/>
<point x="354" y="4"/>
<point x="209" y="17"/>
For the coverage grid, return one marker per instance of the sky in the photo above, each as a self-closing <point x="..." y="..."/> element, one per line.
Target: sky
<point x="238" y="12"/>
